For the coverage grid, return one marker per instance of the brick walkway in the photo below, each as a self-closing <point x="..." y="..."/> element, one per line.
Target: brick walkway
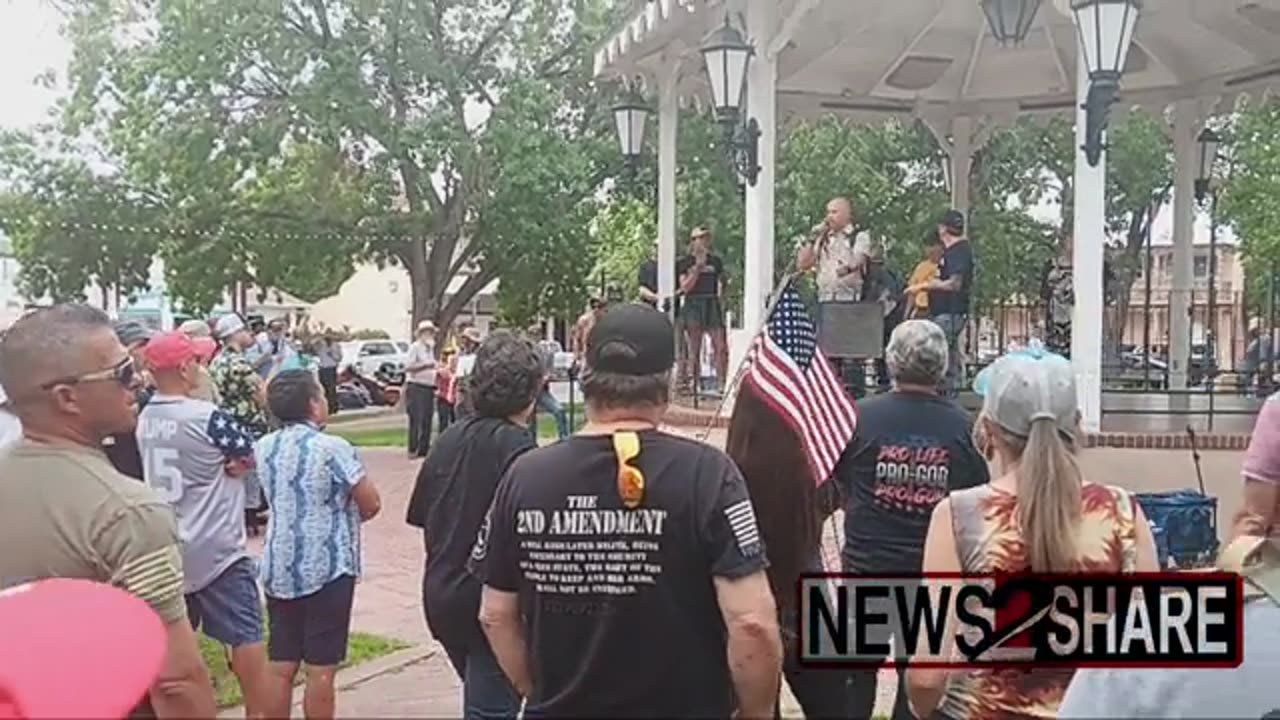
<point x="388" y="600"/>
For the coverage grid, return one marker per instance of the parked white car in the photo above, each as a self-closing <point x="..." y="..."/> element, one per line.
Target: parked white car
<point x="369" y="355"/>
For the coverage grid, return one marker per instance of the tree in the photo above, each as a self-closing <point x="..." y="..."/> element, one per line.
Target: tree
<point x="1249" y="192"/>
<point x="288" y="141"/>
<point x="70" y="227"/>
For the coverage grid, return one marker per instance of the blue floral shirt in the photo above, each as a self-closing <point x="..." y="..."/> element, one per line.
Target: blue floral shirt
<point x="313" y="532"/>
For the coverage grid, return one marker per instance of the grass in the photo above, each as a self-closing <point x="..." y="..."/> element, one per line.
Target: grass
<point x="361" y="647"/>
<point x="399" y="436"/>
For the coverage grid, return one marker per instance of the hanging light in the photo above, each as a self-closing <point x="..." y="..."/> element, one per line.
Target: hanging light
<point x="629" y="117"/>
<point x="1010" y="20"/>
<point x="1209" y="141"/>
<point x="1105" y="29"/>
<point x="726" y="56"/>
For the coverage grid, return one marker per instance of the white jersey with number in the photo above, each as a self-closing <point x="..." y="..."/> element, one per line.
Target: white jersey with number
<point x="185" y="445"/>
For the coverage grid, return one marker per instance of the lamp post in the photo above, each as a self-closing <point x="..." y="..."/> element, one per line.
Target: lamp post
<point x="1105" y="29"/>
<point x="1010" y="20"/>
<point x="1210" y="142"/>
<point x="726" y="56"/>
<point x="629" y="117"/>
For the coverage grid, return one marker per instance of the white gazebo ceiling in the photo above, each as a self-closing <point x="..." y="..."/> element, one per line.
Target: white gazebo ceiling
<point x="924" y="56"/>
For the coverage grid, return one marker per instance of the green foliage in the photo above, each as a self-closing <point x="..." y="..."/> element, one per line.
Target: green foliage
<point x="71" y="227"/>
<point x="281" y="144"/>
<point x="626" y="235"/>
<point x="1250" y="193"/>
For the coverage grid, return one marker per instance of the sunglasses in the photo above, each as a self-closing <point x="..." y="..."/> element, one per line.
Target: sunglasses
<point x="124" y="373"/>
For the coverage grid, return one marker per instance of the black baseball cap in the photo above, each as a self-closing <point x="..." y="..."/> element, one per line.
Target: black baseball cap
<point x="640" y="341"/>
<point x="953" y="221"/>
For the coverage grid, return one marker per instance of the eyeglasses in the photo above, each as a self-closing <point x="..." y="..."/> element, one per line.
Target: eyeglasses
<point x="125" y="373"/>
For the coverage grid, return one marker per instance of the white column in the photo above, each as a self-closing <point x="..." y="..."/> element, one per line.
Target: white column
<point x="1090" y="235"/>
<point x="961" y="153"/>
<point x="762" y="81"/>
<point x="1185" y="163"/>
<point x="668" y="125"/>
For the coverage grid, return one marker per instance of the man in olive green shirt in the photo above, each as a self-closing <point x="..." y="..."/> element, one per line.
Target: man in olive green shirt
<point x="71" y="383"/>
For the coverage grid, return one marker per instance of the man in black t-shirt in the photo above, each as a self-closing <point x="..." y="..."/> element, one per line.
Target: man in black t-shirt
<point x="624" y="572"/>
<point x="949" y="292"/>
<point x="911" y="449"/>
<point x="701" y="282"/>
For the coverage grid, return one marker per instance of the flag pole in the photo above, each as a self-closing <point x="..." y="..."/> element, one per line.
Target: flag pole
<point x="732" y="388"/>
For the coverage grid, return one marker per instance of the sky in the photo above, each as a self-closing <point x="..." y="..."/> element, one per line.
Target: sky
<point x="29" y="44"/>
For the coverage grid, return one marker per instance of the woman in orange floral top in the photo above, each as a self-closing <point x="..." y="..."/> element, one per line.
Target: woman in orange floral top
<point x="1038" y="515"/>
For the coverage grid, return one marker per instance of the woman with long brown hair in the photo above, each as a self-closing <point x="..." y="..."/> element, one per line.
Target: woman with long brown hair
<point x="789" y="510"/>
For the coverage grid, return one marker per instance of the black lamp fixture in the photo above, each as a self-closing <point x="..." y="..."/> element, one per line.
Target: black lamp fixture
<point x="727" y="56"/>
<point x="1010" y="20"/>
<point x="629" y="116"/>
<point x="1209" y="141"/>
<point x="1106" y="30"/>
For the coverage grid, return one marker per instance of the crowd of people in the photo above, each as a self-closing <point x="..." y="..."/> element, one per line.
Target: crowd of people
<point x="622" y="571"/>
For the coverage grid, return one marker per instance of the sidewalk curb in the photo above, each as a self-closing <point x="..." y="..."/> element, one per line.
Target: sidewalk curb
<point x="357" y="675"/>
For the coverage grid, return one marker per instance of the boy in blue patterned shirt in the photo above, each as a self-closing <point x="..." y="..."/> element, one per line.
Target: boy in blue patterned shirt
<point x="319" y="494"/>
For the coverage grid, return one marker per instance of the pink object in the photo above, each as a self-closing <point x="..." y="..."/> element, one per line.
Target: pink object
<point x="1262" y="460"/>
<point x="205" y="347"/>
<point x="76" y="649"/>
<point x="170" y="350"/>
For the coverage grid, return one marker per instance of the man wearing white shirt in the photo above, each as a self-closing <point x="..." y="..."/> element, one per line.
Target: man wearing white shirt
<point x="420" y="388"/>
<point x="838" y="254"/>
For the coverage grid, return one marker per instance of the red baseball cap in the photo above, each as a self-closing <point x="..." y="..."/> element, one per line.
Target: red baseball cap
<point x="169" y="351"/>
<point x="76" y="648"/>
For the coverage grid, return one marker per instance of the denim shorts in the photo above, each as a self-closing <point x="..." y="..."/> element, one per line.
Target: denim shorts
<point x="229" y="609"/>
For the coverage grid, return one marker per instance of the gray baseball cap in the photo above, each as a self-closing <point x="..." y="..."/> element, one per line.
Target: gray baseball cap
<point x="1026" y="387"/>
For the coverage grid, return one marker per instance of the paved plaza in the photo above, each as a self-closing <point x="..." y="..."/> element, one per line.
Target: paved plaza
<point x="422" y="684"/>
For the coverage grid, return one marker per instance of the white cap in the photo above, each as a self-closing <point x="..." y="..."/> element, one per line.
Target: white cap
<point x="1028" y="386"/>
<point x="426" y="325"/>
<point x="228" y="325"/>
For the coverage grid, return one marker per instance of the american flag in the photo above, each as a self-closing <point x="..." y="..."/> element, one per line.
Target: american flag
<point x="795" y="379"/>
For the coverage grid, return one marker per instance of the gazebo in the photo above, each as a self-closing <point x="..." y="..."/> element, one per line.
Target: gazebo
<point x="964" y="68"/>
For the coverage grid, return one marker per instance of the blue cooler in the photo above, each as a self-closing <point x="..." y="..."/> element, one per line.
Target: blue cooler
<point x="1185" y="525"/>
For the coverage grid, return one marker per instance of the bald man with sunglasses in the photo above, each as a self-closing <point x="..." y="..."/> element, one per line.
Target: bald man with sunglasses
<point x="71" y="383"/>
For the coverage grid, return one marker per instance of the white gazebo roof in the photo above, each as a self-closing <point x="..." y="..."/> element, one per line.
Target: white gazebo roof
<point x="871" y="57"/>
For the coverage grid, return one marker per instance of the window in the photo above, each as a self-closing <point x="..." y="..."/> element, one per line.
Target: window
<point x="378" y="348"/>
<point x="1200" y="266"/>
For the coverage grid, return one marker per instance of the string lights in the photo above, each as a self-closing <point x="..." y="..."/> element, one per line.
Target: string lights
<point x="17" y="224"/>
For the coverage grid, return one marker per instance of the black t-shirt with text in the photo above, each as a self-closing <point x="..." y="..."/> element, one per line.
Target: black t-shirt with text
<point x="708" y="284"/>
<point x="454" y="489"/>
<point x="910" y="451"/>
<point x="619" y="604"/>
<point x="957" y="260"/>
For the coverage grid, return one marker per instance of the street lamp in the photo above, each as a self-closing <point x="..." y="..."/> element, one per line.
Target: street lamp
<point x="1209" y="141"/>
<point x="629" y="117"/>
<point x="727" y="56"/>
<point x="1105" y="28"/>
<point x="1010" y="20"/>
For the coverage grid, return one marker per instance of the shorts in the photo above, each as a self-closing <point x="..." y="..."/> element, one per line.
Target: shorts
<point x="313" y="628"/>
<point x="229" y="609"/>
<point x="702" y="312"/>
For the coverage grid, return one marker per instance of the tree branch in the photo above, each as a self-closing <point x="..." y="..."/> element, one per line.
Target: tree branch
<point x="470" y="288"/>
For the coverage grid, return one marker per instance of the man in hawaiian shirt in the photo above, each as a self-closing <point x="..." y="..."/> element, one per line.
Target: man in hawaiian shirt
<point x="243" y="396"/>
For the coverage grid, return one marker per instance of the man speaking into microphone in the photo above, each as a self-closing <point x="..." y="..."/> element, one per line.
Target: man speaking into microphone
<point x="838" y="254"/>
